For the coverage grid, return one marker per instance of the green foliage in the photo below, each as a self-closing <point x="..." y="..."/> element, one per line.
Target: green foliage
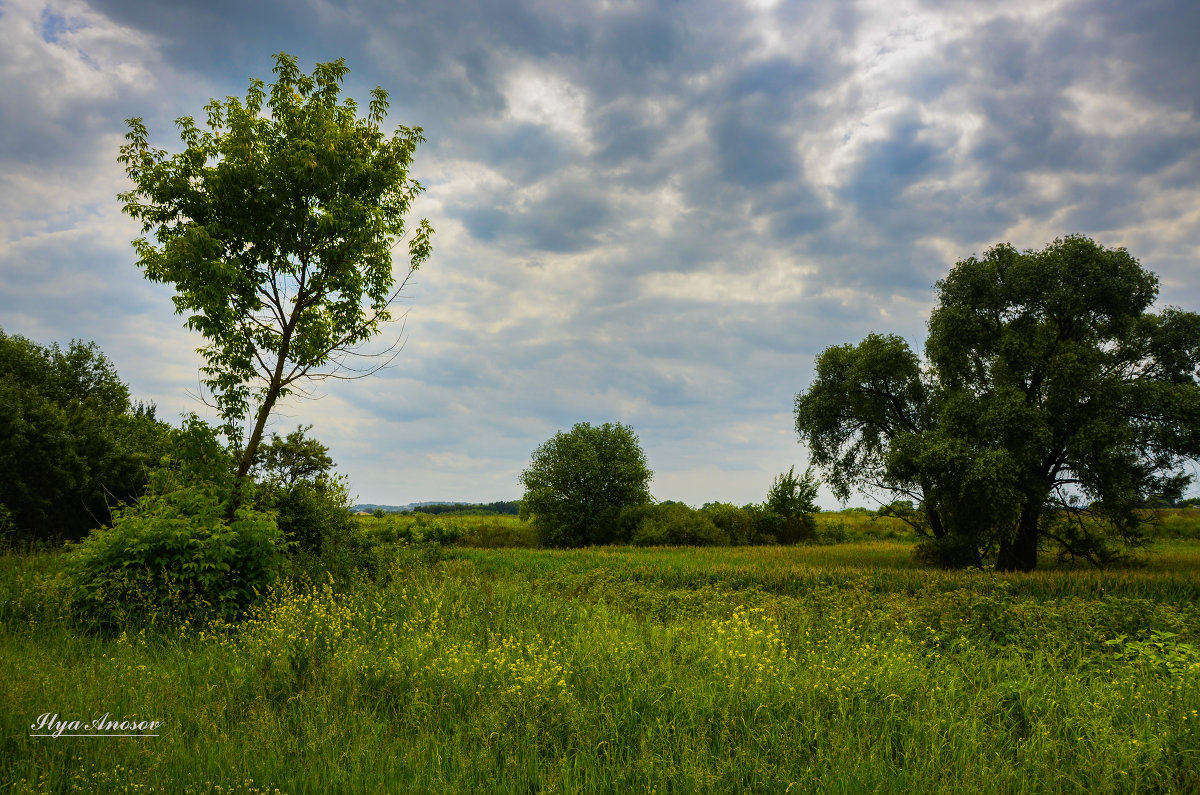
<point x="1161" y="651"/>
<point x="275" y="225"/>
<point x="667" y="524"/>
<point x="792" y="499"/>
<point x="296" y="458"/>
<point x="501" y="508"/>
<point x="72" y="445"/>
<point x="724" y="670"/>
<point x="1052" y="407"/>
<point x="421" y="530"/>
<point x="579" y="480"/>
<point x="311" y="514"/>
<point x="178" y="553"/>
<point x="312" y="504"/>
<point x="736" y="523"/>
<point x="485" y="531"/>
<point x="8" y="529"/>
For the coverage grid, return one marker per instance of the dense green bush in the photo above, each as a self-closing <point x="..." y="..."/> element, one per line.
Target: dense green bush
<point x="181" y="551"/>
<point x="949" y="552"/>
<point x="7" y="528"/>
<point x="419" y="529"/>
<point x="679" y="525"/>
<point x="737" y="523"/>
<point x="716" y="524"/>
<point x="175" y="556"/>
<point x="767" y="524"/>
<point x="312" y="504"/>
<point x="666" y="524"/>
<point x="489" y="532"/>
<point x="313" y="515"/>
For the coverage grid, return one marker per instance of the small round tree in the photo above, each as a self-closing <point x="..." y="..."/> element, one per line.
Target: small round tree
<point x="792" y="500"/>
<point x="579" y="480"/>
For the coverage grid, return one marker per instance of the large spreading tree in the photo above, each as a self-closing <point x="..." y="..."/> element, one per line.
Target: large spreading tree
<point x="1051" y="407"/>
<point x="276" y="225"/>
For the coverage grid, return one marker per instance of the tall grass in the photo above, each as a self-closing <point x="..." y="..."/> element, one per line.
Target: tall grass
<point x="802" y="669"/>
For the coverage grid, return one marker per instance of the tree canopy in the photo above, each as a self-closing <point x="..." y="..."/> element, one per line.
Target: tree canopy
<point x="1051" y="406"/>
<point x="295" y="458"/>
<point x="72" y="444"/>
<point x="793" y="499"/>
<point x="579" y="480"/>
<point x="276" y="225"/>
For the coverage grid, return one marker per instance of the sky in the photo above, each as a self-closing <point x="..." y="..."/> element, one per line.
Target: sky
<point x="650" y="213"/>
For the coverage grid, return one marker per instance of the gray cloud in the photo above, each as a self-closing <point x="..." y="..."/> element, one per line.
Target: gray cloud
<point x="656" y="213"/>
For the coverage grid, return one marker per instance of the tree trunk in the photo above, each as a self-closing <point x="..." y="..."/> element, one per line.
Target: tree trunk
<point x="275" y="386"/>
<point x="256" y="437"/>
<point x="1019" y="553"/>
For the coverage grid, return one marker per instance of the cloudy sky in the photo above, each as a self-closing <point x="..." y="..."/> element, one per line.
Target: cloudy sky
<point x="652" y="213"/>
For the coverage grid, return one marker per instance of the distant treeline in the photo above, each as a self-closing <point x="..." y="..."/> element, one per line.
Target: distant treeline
<point x="512" y="508"/>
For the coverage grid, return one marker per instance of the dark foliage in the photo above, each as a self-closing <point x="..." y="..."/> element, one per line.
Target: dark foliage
<point x="73" y="446"/>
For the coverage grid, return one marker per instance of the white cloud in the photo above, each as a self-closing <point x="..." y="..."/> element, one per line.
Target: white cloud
<point x="543" y="96"/>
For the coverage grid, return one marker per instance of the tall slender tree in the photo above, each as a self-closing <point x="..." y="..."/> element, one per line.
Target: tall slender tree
<point x="276" y="225"/>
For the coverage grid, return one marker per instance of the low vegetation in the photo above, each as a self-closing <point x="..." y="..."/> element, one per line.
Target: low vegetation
<point x="831" y="668"/>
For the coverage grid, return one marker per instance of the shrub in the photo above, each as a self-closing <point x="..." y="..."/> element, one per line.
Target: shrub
<point x="179" y="552"/>
<point x="670" y="524"/>
<point x="71" y="442"/>
<point x="949" y="552"/>
<point x="8" y="530"/>
<point x="736" y="523"/>
<point x="768" y="525"/>
<point x="496" y="531"/>
<point x="433" y="531"/>
<point x="175" y="556"/>
<point x="791" y="499"/>
<point x="621" y="528"/>
<point x="313" y="515"/>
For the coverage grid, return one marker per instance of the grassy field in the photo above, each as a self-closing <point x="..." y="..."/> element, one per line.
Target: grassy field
<point x="491" y="531"/>
<point x="829" y="668"/>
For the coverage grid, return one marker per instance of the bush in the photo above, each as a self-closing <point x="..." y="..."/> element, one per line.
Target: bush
<point x="71" y="442"/>
<point x="768" y="525"/>
<point x="672" y="524"/>
<point x="179" y="552"/>
<point x="175" y="556"/>
<point x="313" y="515"/>
<point x="489" y="532"/>
<point x="749" y="525"/>
<point x="8" y="530"/>
<point x="791" y="500"/>
<point x="622" y="526"/>
<point x="433" y="531"/>
<point x="949" y="552"/>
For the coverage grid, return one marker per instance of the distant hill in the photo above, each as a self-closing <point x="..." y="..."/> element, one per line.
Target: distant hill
<point x="509" y="507"/>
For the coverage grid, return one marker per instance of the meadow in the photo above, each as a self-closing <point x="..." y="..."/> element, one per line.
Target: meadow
<point x="837" y="667"/>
